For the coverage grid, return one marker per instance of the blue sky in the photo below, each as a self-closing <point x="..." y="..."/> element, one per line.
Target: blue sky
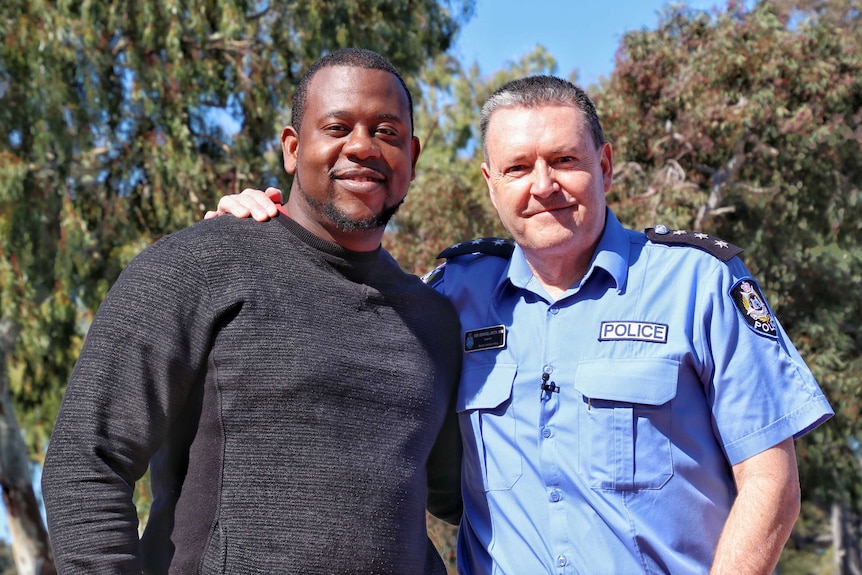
<point x="581" y="35"/>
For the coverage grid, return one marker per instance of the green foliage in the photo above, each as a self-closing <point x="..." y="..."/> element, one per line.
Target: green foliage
<point x="120" y="121"/>
<point x="448" y="202"/>
<point x="797" y="557"/>
<point x="747" y="125"/>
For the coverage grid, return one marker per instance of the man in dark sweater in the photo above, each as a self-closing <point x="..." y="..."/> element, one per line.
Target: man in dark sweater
<point x="318" y="455"/>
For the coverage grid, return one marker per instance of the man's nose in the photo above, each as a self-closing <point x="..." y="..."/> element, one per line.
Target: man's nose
<point x="544" y="180"/>
<point x="362" y="144"/>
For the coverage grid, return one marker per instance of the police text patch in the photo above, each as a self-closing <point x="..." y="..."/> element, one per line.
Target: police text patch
<point x="633" y="331"/>
<point x="493" y="337"/>
<point x="752" y="305"/>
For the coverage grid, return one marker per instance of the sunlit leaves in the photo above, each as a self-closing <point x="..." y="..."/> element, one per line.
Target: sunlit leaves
<point x="749" y="124"/>
<point x="121" y="121"/>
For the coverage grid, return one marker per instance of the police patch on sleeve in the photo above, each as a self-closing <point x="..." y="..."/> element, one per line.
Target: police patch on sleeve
<point x="752" y="305"/>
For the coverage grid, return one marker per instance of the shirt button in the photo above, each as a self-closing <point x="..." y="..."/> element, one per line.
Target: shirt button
<point x="546" y="433"/>
<point x="561" y="561"/>
<point x="555" y="496"/>
<point x="554" y="310"/>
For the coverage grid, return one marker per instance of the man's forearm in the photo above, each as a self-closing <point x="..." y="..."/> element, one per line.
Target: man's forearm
<point x="763" y="514"/>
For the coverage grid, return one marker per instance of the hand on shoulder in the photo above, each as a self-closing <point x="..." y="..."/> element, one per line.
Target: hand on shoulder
<point x="251" y="202"/>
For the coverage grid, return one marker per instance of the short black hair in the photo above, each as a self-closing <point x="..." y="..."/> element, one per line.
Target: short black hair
<point x="351" y="57"/>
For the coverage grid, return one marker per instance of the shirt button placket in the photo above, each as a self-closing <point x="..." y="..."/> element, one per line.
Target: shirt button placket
<point x="562" y="561"/>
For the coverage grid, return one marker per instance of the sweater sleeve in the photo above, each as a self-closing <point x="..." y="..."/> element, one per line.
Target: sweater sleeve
<point x="444" y="472"/>
<point x="147" y="347"/>
<point x="444" y="461"/>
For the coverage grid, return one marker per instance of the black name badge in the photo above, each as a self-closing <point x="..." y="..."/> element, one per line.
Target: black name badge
<point x="493" y="337"/>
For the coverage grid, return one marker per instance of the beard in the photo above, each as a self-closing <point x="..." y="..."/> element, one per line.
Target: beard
<point x="346" y="223"/>
<point x="342" y="220"/>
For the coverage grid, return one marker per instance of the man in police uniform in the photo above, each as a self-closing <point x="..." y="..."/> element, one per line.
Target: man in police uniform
<point x="628" y="401"/>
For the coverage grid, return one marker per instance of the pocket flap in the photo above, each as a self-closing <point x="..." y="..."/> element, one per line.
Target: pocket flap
<point x="485" y="386"/>
<point x="650" y="381"/>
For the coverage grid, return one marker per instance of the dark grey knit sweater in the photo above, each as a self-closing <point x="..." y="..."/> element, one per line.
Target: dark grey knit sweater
<point x="289" y="392"/>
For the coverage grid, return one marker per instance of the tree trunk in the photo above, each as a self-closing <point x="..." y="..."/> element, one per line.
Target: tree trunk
<point x="30" y="546"/>
<point x="845" y="541"/>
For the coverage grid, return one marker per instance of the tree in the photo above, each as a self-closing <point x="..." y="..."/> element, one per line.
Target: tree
<point x="748" y="124"/>
<point x="449" y="202"/>
<point x="120" y="121"/>
<point x="32" y="554"/>
<point x="7" y="565"/>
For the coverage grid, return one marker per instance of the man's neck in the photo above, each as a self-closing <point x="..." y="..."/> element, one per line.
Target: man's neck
<point x="355" y="241"/>
<point x="558" y="272"/>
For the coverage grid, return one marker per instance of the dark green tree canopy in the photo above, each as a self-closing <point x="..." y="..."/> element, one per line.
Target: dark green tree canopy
<point x="120" y="121"/>
<point x="749" y="125"/>
<point x="123" y="121"/>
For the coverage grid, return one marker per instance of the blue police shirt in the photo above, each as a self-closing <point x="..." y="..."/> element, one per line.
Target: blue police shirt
<point x="661" y="369"/>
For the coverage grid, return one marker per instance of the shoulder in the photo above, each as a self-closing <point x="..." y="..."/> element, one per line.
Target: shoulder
<point x="216" y="232"/>
<point x="499" y="247"/>
<point x="718" y="248"/>
<point x="399" y="280"/>
<point x="470" y="252"/>
<point x="210" y="250"/>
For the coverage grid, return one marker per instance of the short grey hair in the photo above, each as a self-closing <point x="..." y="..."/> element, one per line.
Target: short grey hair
<point x="538" y="91"/>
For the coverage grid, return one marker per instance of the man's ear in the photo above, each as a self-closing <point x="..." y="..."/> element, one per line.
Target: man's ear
<point x="606" y="156"/>
<point x="289" y="147"/>
<point x="486" y="173"/>
<point x="415" y="148"/>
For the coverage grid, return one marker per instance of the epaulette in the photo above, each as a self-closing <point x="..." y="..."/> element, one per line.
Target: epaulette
<point x="499" y="247"/>
<point x="721" y="249"/>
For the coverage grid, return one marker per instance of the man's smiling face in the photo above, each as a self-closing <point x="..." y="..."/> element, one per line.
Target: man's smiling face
<point x="355" y="156"/>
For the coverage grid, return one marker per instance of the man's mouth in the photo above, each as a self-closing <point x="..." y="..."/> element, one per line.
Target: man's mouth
<point x="549" y="209"/>
<point x="359" y="175"/>
<point x="361" y="181"/>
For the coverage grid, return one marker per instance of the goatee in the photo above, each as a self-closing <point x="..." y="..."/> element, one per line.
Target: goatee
<point x="340" y="219"/>
<point x="347" y="224"/>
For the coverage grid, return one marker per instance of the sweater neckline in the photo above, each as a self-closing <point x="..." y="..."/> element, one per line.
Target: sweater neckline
<point x="331" y="248"/>
<point x="355" y="266"/>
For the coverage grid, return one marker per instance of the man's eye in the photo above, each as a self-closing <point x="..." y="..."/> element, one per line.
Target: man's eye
<point x="336" y="129"/>
<point x="568" y="163"/>
<point x="386" y="131"/>
<point x="515" y="170"/>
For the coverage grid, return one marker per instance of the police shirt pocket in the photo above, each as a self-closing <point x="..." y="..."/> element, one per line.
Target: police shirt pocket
<point x="624" y="422"/>
<point x="487" y="418"/>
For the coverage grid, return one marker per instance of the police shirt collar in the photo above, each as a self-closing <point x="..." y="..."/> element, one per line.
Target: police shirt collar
<point x="612" y="253"/>
<point x="611" y="256"/>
